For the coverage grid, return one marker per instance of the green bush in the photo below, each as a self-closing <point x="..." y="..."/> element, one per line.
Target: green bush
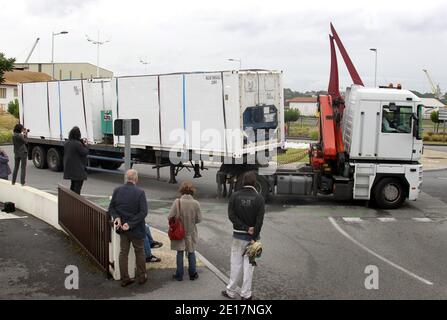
<point x="5" y="137"/>
<point x="314" y="135"/>
<point x="13" y="108"/>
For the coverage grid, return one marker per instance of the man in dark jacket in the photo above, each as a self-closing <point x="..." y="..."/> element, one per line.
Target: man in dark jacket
<point x="246" y="212"/>
<point x="19" y="140"/>
<point x="129" y="209"/>
<point x="75" y="160"/>
<point x="5" y="170"/>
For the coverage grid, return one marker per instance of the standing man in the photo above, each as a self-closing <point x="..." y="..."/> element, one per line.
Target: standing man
<point x="246" y="212"/>
<point x="19" y="140"/>
<point x="129" y="209"/>
<point x="75" y="160"/>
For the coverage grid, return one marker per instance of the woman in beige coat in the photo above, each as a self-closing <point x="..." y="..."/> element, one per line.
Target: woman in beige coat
<point x="190" y="215"/>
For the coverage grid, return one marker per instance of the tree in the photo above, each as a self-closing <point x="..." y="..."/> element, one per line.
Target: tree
<point x="5" y="65"/>
<point x="291" y="115"/>
<point x="13" y="108"/>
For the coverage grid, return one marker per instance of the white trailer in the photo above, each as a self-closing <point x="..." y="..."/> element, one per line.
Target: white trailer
<point x="225" y="116"/>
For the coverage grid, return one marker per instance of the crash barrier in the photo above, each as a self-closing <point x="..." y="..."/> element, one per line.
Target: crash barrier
<point x="87" y="223"/>
<point x="90" y="226"/>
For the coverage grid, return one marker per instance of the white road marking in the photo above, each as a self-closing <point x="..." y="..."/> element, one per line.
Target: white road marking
<point x="422" y="219"/>
<point x="386" y="219"/>
<point x="9" y="216"/>
<point x="346" y="235"/>
<point x="356" y="220"/>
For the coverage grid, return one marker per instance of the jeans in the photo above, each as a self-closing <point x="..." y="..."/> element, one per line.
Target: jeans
<point x="191" y="264"/>
<point x="148" y="240"/>
<point x="240" y="268"/>
<point x="19" y="161"/>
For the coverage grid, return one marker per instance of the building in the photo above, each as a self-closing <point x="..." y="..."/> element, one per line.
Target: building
<point x="307" y="106"/>
<point x="66" y="71"/>
<point x="430" y="105"/>
<point x="8" y="89"/>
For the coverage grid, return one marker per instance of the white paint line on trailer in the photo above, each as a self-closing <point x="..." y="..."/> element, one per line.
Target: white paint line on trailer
<point x="394" y="265"/>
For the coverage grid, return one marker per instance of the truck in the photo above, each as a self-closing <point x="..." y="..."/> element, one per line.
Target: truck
<point x="369" y="146"/>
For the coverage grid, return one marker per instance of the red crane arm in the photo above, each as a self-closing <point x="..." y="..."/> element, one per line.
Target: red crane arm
<point x="352" y="71"/>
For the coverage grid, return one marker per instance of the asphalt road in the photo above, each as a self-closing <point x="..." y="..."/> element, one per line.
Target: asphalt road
<point x="313" y="249"/>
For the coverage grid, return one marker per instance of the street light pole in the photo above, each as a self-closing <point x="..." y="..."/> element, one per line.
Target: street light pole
<point x="145" y="63"/>
<point x="237" y="60"/>
<point x="98" y="43"/>
<point x="52" y="49"/>
<point x="375" y="73"/>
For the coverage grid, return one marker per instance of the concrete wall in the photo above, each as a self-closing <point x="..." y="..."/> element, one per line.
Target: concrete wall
<point x="44" y="206"/>
<point x="32" y="201"/>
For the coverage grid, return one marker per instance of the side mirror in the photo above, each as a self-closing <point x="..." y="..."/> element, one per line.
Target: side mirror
<point x="416" y="131"/>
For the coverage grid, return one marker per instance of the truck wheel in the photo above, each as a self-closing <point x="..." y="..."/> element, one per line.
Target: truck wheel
<point x="39" y="156"/>
<point x="263" y="187"/>
<point x="54" y="160"/>
<point x="389" y="193"/>
<point x="110" y="165"/>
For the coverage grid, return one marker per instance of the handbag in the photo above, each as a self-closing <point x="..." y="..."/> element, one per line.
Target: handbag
<point x="176" y="228"/>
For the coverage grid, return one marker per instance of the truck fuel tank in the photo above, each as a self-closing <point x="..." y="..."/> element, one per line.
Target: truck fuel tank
<point x="294" y="184"/>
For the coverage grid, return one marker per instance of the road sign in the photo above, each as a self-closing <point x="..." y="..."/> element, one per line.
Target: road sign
<point x="119" y="127"/>
<point x="443" y="114"/>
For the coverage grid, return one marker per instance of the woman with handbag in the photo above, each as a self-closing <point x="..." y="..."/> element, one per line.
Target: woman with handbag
<point x="183" y="218"/>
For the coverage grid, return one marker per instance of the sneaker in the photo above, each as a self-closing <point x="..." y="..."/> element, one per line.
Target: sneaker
<point x="126" y="283"/>
<point x="174" y="276"/>
<point x="142" y="281"/>
<point x="226" y="295"/>
<point x="156" y="245"/>
<point x="194" y="277"/>
<point x="153" y="259"/>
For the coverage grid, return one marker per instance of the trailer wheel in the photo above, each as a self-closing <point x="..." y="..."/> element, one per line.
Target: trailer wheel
<point x="389" y="193"/>
<point x="39" y="157"/>
<point x="54" y="160"/>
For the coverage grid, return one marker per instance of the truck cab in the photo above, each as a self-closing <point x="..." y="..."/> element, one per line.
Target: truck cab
<point x="382" y="124"/>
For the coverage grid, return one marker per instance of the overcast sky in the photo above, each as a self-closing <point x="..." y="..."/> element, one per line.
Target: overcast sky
<point x="196" y="35"/>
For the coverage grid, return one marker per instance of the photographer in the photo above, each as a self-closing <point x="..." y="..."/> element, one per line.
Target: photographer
<point x="75" y="160"/>
<point x="19" y="140"/>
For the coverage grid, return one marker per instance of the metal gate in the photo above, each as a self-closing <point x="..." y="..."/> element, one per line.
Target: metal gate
<point x="88" y="224"/>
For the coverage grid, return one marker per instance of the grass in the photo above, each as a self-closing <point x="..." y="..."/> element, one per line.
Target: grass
<point x="293" y="155"/>
<point x="303" y="130"/>
<point x="7" y="123"/>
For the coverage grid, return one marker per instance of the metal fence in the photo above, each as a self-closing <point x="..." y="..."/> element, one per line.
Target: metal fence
<point x="87" y="224"/>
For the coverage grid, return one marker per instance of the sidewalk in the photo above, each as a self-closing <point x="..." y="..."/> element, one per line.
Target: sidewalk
<point x="33" y="258"/>
<point x="434" y="160"/>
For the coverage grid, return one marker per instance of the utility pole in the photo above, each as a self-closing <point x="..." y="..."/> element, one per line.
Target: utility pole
<point x="98" y="43"/>
<point x="375" y="73"/>
<point x="52" y="49"/>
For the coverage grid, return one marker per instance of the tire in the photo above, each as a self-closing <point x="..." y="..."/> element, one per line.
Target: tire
<point x="110" y="165"/>
<point x="263" y="187"/>
<point x="54" y="160"/>
<point x="39" y="157"/>
<point x="389" y="193"/>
